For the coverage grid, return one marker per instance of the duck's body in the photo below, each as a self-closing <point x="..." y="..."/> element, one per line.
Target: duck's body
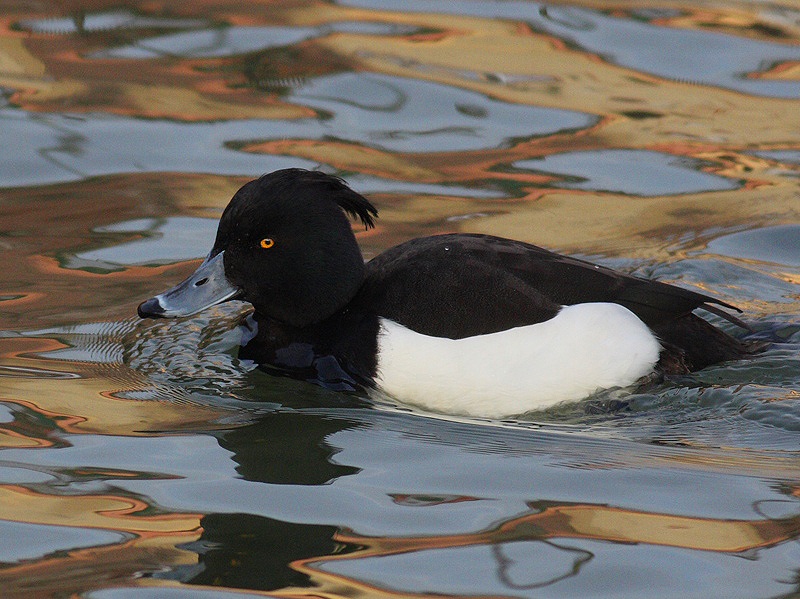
<point x="467" y="324"/>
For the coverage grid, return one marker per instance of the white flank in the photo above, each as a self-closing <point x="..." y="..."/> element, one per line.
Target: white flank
<point x="584" y="348"/>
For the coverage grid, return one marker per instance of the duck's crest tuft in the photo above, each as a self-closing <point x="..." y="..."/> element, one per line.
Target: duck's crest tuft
<point x="353" y="203"/>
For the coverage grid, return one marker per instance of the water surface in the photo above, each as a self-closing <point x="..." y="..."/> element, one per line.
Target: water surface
<point x="143" y="459"/>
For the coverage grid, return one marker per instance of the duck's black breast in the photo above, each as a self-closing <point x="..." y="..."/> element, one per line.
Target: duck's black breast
<point x="461" y="285"/>
<point x="339" y="353"/>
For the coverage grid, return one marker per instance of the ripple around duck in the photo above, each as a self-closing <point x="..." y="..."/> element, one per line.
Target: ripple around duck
<point x="744" y="404"/>
<point x="749" y="404"/>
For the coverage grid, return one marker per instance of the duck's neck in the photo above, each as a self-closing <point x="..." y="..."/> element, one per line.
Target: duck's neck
<point x="315" y="296"/>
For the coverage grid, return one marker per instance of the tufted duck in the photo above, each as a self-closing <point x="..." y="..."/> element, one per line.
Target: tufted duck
<point x="457" y="323"/>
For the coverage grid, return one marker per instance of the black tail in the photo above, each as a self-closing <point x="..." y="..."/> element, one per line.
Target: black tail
<point x="691" y="343"/>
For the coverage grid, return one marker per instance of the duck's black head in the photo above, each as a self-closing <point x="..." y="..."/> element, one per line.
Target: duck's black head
<point x="283" y="244"/>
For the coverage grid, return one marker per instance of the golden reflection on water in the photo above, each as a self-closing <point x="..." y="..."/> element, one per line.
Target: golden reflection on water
<point x="153" y="544"/>
<point x="86" y="397"/>
<point x="603" y="523"/>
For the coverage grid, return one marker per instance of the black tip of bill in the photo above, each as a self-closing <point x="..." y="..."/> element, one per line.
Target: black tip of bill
<point x="150" y="309"/>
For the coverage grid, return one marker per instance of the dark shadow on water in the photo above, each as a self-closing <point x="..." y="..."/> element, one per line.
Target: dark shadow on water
<point x="288" y="448"/>
<point x="245" y="551"/>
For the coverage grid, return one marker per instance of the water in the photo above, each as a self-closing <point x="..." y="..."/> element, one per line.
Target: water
<point x="144" y="460"/>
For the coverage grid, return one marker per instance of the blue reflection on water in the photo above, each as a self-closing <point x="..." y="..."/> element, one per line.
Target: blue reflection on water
<point x="634" y="172"/>
<point x="680" y="54"/>
<point x="359" y="106"/>
<point x="787" y="156"/>
<point x="230" y="41"/>
<point x="207" y="43"/>
<point x="779" y="245"/>
<point x="486" y="570"/>
<point x="53" y="148"/>
<point x="41" y="540"/>
<point x="167" y="240"/>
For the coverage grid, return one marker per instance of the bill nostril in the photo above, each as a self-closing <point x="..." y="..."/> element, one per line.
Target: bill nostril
<point x="202" y="281"/>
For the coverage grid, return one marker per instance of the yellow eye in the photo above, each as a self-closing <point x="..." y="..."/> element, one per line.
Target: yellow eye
<point x="267" y="243"/>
